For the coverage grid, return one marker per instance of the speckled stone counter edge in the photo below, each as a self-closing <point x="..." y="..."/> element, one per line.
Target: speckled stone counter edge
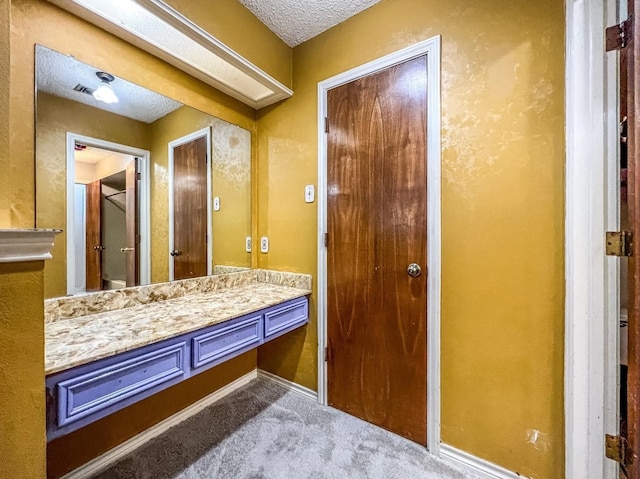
<point x="103" y="301"/>
<point x="282" y="278"/>
<point x="222" y="269"/>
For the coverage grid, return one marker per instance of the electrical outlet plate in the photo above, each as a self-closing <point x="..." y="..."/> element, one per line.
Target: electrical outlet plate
<point x="216" y="203"/>
<point x="309" y="194"/>
<point x="247" y="244"/>
<point x="264" y="244"/>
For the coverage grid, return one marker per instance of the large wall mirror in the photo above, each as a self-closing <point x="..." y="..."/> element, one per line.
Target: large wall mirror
<point x="145" y="188"/>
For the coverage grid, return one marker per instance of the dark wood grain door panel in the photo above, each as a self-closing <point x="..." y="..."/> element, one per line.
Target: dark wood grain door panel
<point x="190" y="209"/>
<point x="94" y="237"/>
<point x="377" y="225"/>
<point x="629" y="104"/>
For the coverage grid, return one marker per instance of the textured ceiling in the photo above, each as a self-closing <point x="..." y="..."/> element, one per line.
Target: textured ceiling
<point x="296" y="21"/>
<point x="58" y="74"/>
<point x="93" y="155"/>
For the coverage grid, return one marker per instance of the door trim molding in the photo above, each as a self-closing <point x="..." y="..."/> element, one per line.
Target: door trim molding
<point x="591" y="204"/>
<point x="430" y="48"/>
<point x="204" y="132"/>
<point x="144" y="219"/>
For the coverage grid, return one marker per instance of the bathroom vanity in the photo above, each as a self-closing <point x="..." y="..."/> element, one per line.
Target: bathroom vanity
<point x="108" y="350"/>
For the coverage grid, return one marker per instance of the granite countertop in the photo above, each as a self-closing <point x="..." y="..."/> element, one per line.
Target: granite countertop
<point x="80" y="340"/>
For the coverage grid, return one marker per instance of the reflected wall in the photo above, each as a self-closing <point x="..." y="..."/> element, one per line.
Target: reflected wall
<point x="231" y="182"/>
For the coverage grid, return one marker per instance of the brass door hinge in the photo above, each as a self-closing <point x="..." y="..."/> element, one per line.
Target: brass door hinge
<point x="616" y="448"/>
<point x="619" y="243"/>
<point x="619" y="36"/>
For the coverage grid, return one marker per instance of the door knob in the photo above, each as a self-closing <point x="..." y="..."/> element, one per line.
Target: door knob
<point x="414" y="270"/>
<point x="124" y="250"/>
<point x="175" y="252"/>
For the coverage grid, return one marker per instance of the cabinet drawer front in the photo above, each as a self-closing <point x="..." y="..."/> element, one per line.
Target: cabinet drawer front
<point x="224" y="342"/>
<point x="92" y="392"/>
<point x="289" y="316"/>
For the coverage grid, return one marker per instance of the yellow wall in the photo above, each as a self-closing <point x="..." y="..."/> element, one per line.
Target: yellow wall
<point x="22" y="402"/>
<point x="233" y="222"/>
<point x="502" y="212"/>
<point x="5" y="179"/>
<point x="55" y="117"/>
<point x="245" y="34"/>
<point x="231" y="182"/>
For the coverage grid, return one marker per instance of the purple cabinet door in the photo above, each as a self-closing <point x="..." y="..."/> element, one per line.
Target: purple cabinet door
<point x="226" y="340"/>
<point x="94" y="391"/>
<point x="284" y="318"/>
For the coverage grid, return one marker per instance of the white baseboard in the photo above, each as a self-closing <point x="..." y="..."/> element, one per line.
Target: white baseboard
<point x="113" y="455"/>
<point x="290" y="385"/>
<point x="472" y="463"/>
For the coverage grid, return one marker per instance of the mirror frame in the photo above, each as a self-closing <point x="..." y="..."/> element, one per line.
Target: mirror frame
<point x="144" y="207"/>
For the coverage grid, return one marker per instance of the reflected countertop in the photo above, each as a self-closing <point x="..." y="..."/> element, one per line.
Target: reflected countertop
<point x="75" y="341"/>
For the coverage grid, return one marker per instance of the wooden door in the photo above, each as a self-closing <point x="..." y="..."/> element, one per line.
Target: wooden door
<point x="132" y="249"/>
<point x="377" y="226"/>
<point x="94" y="236"/>
<point x="630" y="98"/>
<point x="190" y="209"/>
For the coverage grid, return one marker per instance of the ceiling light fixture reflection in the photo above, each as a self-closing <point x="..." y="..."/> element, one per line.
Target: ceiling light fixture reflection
<point x="104" y="92"/>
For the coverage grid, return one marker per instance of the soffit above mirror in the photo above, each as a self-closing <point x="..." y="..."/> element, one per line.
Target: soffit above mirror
<point x="158" y="29"/>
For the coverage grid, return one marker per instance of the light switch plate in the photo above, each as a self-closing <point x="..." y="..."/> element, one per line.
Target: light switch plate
<point x="309" y="194"/>
<point x="247" y="244"/>
<point x="216" y="203"/>
<point x="264" y="244"/>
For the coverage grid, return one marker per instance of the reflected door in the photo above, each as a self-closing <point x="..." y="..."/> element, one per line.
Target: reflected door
<point x="377" y="249"/>
<point x="189" y="254"/>
<point x="94" y="236"/>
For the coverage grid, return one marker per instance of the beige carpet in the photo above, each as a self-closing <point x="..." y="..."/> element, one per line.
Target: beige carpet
<point x="264" y="431"/>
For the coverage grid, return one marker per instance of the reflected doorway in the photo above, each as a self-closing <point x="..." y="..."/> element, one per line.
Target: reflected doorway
<point x="107" y="221"/>
<point x="107" y="215"/>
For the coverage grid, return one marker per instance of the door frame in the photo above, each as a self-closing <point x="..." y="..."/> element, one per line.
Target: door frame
<point x="144" y="220"/>
<point x="430" y="48"/>
<point x="204" y="132"/>
<point x="591" y="204"/>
